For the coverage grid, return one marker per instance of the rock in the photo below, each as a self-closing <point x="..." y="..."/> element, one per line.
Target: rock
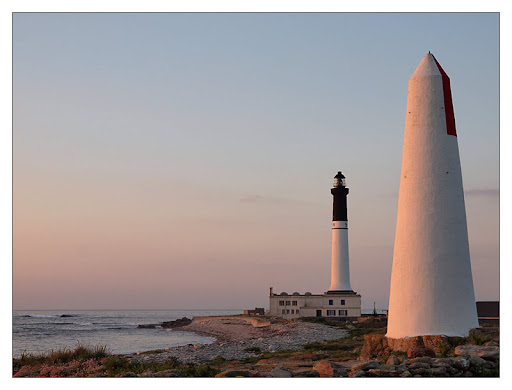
<point x="448" y="367"/>
<point x="281" y="372"/>
<point x="330" y="369"/>
<point x="460" y="363"/>
<point x="129" y="374"/>
<point x="383" y="371"/>
<point x="404" y="344"/>
<point x="177" y="323"/>
<point x="419" y="365"/>
<point x="418" y="352"/>
<point x="423" y="359"/>
<point x="234" y="374"/>
<point x="406" y="374"/>
<point x="364" y="366"/>
<point x="482" y="351"/>
<point x="306" y="374"/>
<point x="147" y="326"/>
<point x="420" y="371"/>
<point x="393" y="360"/>
<point x="360" y="374"/>
<point x="373" y="344"/>
<point x="439" y="371"/>
<point x="476" y="363"/>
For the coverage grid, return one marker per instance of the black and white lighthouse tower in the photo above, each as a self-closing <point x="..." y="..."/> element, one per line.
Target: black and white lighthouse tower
<point x="340" y="273"/>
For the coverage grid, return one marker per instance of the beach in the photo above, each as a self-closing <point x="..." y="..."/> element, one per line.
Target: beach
<point x="239" y="337"/>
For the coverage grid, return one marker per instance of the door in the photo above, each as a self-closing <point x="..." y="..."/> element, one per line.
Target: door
<point x="319" y="313"/>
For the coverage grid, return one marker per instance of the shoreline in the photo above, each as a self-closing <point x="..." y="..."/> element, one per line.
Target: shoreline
<point x="238" y="337"/>
<point x="281" y="348"/>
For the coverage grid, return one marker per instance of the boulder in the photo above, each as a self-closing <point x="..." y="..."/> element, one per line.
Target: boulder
<point x="439" y="371"/>
<point x="476" y="363"/>
<point x="373" y="344"/>
<point x="404" y="344"/>
<point x="419" y="365"/>
<point x="393" y="360"/>
<point x="418" y="352"/>
<point x="383" y="371"/>
<point x="307" y="374"/>
<point x="435" y="343"/>
<point x="365" y="366"/>
<point x="281" y="372"/>
<point x="330" y="369"/>
<point x="177" y="323"/>
<point x="423" y="359"/>
<point x="406" y="374"/>
<point x="482" y="351"/>
<point x="460" y="363"/>
<point x="234" y="374"/>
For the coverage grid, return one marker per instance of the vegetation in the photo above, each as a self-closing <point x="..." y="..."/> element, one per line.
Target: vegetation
<point x="62" y="356"/>
<point x="97" y="362"/>
<point x="478" y="339"/>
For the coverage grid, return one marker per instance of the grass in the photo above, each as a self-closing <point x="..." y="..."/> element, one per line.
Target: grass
<point x="62" y="356"/>
<point x="478" y="339"/>
<point x="107" y="364"/>
<point x="119" y="365"/>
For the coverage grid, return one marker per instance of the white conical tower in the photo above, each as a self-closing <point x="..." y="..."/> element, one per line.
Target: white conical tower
<point x="431" y="283"/>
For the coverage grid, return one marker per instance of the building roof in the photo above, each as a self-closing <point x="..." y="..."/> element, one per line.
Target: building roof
<point x="488" y="309"/>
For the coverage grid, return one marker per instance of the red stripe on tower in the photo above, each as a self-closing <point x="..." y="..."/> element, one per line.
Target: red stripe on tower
<point x="448" y="106"/>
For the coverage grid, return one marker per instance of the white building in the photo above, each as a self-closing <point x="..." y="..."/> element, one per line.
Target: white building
<point x="339" y="305"/>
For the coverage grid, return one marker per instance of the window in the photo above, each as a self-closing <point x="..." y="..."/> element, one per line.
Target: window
<point x="342" y="312"/>
<point x="331" y="312"/>
<point x="281" y="303"/>
<point x="342" y="302"/>
<point x="287" y="303"/>
<point x="293" y="311"/>
<point x="294" y="303"/>
<point x="283" y="311"/>
<point x="297" y="311"/>
<point x="287" y="311"/>
<point x="331" y="302"/>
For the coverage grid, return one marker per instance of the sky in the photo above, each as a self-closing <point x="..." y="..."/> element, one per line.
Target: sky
<point x="184" y="161"/>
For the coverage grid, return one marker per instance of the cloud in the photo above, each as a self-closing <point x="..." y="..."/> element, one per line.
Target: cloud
<point x="489" y="192"/>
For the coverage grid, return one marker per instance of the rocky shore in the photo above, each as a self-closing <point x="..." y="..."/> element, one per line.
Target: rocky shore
<point x="239" y="339"/>
<point x="271" y="347"/>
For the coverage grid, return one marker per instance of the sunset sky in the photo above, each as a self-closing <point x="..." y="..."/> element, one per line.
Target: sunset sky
<point x="174" y="161"/>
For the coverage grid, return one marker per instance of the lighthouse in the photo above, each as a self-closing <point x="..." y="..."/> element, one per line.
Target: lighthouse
<point x="340" y="273"/>
<point x="340" y="301"/>
<point x="431" y="290"/>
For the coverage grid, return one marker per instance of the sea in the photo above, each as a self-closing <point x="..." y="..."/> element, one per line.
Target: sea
<point x="37" y="331"/>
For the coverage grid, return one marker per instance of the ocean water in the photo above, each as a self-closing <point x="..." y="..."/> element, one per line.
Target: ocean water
<point x="42" y="331"/>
